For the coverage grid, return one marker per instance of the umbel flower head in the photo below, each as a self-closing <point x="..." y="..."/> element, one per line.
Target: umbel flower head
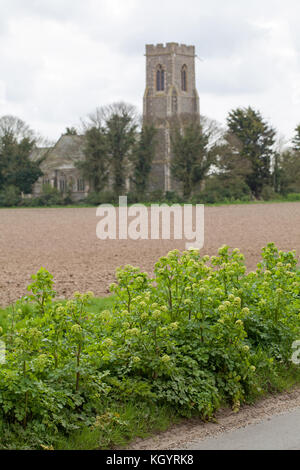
<point x="108" y="341"/>
<point x="165" y="358"/>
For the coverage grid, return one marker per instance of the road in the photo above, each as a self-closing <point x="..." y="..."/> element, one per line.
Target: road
<point x="281" y="432"/>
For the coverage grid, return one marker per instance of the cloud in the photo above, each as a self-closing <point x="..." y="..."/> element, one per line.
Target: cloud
<point x="59" y="60"/>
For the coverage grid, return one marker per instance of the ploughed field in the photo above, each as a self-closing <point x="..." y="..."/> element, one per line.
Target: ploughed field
<point x="64" y="242"/>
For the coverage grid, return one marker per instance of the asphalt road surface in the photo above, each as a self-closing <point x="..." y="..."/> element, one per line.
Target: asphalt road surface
<point x="281" y="432"/>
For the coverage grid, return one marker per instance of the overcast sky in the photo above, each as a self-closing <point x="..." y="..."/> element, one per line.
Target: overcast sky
<point x="60" y="59"/>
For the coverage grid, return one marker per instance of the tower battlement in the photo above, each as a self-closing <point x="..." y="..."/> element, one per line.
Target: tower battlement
<point x="168" y="48"/>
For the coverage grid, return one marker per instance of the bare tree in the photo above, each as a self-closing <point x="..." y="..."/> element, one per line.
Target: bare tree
<point x="213" y="129"/>
<point x="116" y="127"/>
<point x="13" y="126"/>
<point x="98" y="119"/>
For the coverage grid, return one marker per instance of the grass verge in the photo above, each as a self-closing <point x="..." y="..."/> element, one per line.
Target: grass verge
<point x="279" y="200"/>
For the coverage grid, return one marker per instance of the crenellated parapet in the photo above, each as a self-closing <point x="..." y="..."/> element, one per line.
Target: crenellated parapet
<point x="170" y="47"/>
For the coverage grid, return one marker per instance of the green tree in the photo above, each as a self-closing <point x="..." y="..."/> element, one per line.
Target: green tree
<point x="296" y="139"/>
<point x="192" y="157"/>
<point x="257" y="140"/>
<point x="117" y="126"/>
<point x="95" y="167"/>
<point x="120" y="123"/>
<point x="289" y="171"/>
<point x="228" y="181"/>
<point x="277" y="172"/>
<point x="71" y="131"/>
<point x="16" y="144"/>
<point x="142" y="158"/>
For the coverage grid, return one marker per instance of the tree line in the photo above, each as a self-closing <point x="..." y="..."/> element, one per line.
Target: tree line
<point x="117" y="150"/>
<point x="242" y="161"/>
<point x="17" y="172"/>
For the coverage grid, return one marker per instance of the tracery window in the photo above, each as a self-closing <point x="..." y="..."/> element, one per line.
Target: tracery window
<point x="184" y="78"/>
<point x="80" y="185"/>
<point x="160" y="79"/>
<point x="62" y="185"/>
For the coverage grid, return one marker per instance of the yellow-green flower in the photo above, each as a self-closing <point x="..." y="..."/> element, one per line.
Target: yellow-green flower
<point x="166" y="358"/>
<point x="136" y="359"/>
<point x="41" y="361"/>
<point x="48" y="448"/>
<point x="70" y="304"/>
<point x="133" y="332"/>
<point x="76" y="329"/>
<point x="105" y="315"/>
<point x="156" y="314"/>
<point x="108" y="341"/>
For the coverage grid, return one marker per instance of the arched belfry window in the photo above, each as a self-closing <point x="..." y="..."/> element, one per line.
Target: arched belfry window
<point x="160" y="78"/>
<point x="184" y="78"/>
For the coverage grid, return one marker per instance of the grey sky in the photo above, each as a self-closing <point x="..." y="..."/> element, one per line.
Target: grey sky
<point x="59" y="59"/>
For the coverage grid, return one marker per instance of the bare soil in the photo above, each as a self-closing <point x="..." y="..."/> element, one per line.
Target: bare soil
<point x="64" y="242"/>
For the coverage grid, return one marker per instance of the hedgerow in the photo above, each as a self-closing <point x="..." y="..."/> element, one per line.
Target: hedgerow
<point x="200" y="334"/>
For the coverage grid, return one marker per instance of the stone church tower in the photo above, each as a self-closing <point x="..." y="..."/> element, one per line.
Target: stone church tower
<point x="171" y="100"/>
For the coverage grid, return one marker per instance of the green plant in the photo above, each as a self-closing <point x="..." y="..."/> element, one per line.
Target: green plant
<point x="10" y="196"/>
<point x="201" y="333"/>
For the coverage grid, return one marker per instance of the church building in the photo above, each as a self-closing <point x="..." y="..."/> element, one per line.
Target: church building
<point x="170" y="101"/>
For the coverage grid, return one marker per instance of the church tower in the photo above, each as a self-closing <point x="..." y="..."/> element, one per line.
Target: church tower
<point x="170" y="100"/>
